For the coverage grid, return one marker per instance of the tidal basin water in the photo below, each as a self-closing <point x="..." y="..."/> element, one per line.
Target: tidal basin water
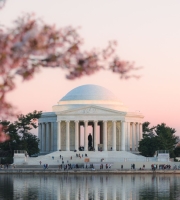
<point x="89" y="187"/>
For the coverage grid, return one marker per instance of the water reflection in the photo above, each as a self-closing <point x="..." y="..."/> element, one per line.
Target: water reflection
<point x="89" y="187"/>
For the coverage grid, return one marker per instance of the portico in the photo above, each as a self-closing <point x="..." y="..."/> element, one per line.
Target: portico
<point x="97" y="112"/>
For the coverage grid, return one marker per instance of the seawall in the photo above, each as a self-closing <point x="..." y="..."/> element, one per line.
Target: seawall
<point x="84" y="171"/>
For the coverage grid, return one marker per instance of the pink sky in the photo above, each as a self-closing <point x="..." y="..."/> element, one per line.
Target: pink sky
<point x="147" y="32"/>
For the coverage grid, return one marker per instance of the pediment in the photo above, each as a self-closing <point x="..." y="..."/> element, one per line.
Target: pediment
<point x="92" y="110"/>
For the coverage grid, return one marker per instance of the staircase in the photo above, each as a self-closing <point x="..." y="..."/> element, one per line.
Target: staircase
<point x="94" y="157"/>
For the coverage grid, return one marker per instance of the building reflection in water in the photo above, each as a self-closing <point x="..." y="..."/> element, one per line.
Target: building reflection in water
<point x="89" y="187"/>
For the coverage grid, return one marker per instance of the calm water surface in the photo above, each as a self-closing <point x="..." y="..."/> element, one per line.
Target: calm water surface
<point x="89" y="187"/>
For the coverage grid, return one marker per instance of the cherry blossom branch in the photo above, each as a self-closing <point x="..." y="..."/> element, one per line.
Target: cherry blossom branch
<point x="3" y="137"/>
<point x="32" y="44"/>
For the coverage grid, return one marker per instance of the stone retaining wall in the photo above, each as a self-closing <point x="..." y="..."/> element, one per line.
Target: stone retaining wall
<point x="83" y="171"/>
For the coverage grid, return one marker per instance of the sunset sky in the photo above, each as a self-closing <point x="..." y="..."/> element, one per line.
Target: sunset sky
<point x="147" y="32"/>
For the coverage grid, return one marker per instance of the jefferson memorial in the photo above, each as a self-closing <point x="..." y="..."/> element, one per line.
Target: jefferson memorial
<point x="89" y="110"/>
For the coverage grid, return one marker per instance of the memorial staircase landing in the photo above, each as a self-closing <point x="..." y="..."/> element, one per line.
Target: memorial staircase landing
<point x="92" y="156"/>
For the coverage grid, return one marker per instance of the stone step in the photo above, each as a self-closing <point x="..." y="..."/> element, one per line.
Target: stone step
<point x="105" y="156"/>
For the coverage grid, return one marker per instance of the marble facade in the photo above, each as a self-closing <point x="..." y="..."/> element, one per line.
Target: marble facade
<point x="113" y="127"/>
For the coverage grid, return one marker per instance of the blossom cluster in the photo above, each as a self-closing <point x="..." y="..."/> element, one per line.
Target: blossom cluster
<point x="31" y="44"/>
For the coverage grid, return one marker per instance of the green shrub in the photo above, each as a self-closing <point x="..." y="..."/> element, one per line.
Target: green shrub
<point x="5" y="160"/>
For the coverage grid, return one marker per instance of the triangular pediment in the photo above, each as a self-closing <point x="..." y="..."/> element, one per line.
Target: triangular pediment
<point x="92" y="110"/>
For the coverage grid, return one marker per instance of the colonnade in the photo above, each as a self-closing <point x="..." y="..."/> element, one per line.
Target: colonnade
<point x="46" y="135"/>
<point x="50" y="135"/>
<point x="133" y="135"/>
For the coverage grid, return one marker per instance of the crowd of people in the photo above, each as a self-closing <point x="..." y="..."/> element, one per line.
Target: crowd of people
<point x="164" y="166"/>
<point x="132" y="166"/>
<point x="80" y="155"/>
<point x="5" y="166"/>
<point x="101" y="165"/>
<point x="45" y="166"/>
<point x="107" y="166"/>
<point x="154" y="167"/>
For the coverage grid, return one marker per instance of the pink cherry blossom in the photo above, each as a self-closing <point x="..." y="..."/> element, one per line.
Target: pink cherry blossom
<point x="3" y="137"/>
<point x="32" y="44"/>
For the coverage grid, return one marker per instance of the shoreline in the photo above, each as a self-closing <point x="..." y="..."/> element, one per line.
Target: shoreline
<point x="82" y="171"/>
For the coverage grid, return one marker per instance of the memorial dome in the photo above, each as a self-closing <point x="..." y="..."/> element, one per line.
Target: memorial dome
<point x="89" y="92"/>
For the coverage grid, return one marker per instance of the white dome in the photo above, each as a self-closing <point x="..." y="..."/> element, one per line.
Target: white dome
<point x="89" y="92"/>
<point x="86" y="95"/>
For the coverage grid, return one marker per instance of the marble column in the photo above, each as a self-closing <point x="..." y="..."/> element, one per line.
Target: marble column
<point x="122" y="136"/>
<point x="43" y="138"/>
<point x="114" y="136"/>
<point x="67" y="136"/>
<point x="137" y="136"/>
<point x="104" y="135"/>
<point x="52" y="136"/>
<point x="128" y="136"/>
<point x="76" y="135"/>
<point x="133" y="136"/>
<point x="130" y="132"/>
<point x="58" y="135"/>
<point x="79" y="135"/>
<point x="40" y="136"/>
<point x="101" y="132"/>
<point x="47" y="137"/>
<point x="85" y="135"/>
<point x="95" y="135"/>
